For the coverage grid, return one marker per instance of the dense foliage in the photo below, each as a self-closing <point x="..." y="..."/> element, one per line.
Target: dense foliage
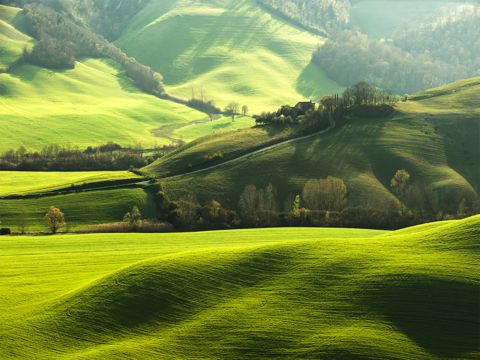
<point x="109" y="156"/>
<point x="326" y="16"/>
<point x="433" y="53"/>
<point x="362" y="100"/>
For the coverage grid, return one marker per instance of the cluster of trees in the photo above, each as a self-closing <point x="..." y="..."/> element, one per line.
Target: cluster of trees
<point x="62" y="41"/>
<point x="360" y="99"/>
<point x="452" y="37"/>
<point x="321" y="16"/>
<point x="106" y="17"/>
<point x="187" y="213"/>
<point x="109" y="156"/>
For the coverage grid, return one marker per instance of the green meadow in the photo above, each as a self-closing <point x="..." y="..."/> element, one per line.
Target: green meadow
<point x="227" y="51"/>
<point x="250" y="294"/>
<point x="28" y="182"/>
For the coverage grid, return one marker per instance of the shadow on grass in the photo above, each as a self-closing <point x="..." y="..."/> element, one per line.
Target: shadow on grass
<point x="440" y="315"/>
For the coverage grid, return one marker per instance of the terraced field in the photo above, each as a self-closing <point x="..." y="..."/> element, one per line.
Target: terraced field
<point x="283" y="293"/>
<point x="228" y="50"/>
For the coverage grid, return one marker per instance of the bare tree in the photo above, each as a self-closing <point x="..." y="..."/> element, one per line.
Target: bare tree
<point x="232" y="109"/>
<point x="245" y="110"/>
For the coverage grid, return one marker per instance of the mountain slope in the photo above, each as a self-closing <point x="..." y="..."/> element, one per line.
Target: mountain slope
<point x="303" y="293"/>
<point x="230" y="50"/>
<point x="434" y="137"/>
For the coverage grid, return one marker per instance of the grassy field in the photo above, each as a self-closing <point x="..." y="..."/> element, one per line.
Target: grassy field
<point x="85" y="208"/>
<point x="287" y="293"/>
<point x="225" y="124"/>
<point x="90" y="105"/>
<point x="198" y="153"/>
<point x="26" y="182"/>
<point x="230" y="50"/>
<point x="12" y="39"/>
<point x="435" y="139"/>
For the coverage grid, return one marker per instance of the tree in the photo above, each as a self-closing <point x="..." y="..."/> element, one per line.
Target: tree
<point x="133" y="218"/>
<point x="245" y="110"/>
<point x="232" y="109"/>
<point x="55" y="219"/>
<point x="328" y="194"/>
<point x="400" y="183"/>
<point x="248" y="205"/>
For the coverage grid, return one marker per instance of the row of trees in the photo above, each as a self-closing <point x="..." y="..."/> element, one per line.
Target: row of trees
<point x="62" y="41"/>
<point x="109" y="156"/>
<point x="321" y="202"/>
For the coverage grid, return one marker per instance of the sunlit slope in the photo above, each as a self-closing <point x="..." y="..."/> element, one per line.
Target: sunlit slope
<point x="436" y="139"/>
<point x="90" y="105"/>
<point x="28" y="182"/>
<point x="288" y="293"/>
<point x="12" y="40"/>
<point x="230" y="50"/>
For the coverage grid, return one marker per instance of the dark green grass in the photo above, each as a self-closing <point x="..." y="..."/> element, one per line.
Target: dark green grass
<point x="435" y="139"/>
<point x="255" y="294"/>
<point x="87" y="208"/>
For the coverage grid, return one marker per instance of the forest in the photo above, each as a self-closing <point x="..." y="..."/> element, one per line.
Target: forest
<point x="442" y="50"/>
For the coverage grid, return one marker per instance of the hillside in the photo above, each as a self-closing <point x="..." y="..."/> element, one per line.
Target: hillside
<point x="230" y="50"/>
<point x="303" y="293"/>
<point x="434" y="137"/>
<point x="12" y="39"/>
<point x="89" y="105"/>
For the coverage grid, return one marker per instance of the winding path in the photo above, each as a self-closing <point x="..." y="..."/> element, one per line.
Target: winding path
<point x="231" y="161"/>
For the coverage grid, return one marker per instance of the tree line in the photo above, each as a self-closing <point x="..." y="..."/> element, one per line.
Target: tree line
<point x="61" y="42"/>
<point x="321" y="202"/>
<point x="109" y="156"/>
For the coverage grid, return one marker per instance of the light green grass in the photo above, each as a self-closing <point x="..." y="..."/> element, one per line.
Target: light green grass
<point x="191" y="132"/>
<point x="435" y="139"/>
<point x="382" y="18"/>
<point x="81" y="209"/>
<point x="25" y="182"/>
<point x="234" y="50"/>
<point x="90" y="105"/>
<point x="12" y="40"/>
<point x="254" y="294"/>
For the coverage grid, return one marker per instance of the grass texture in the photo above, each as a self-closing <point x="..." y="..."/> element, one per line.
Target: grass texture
<point x="27" y="182"/>
<point x="434" y="137"/>
<point x="228" y="50"/>
<point x="250" y="294"/>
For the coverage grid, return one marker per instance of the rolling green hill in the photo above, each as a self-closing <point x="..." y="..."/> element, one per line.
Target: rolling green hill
<point x="12" y="39"/>
<point x="89" y="105"/>
<point x="284" y="293"/>
<point x="434" y="136"/>
<point x="230" y="50"/>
